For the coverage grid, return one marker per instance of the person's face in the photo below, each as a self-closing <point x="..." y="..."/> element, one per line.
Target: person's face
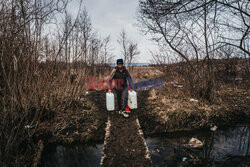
<point x="119" y="65"/>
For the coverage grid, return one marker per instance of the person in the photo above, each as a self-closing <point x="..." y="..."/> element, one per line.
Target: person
<point x="121" y="75"/>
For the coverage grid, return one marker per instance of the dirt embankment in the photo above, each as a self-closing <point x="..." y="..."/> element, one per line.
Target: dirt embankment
<point x="81" y="121"/>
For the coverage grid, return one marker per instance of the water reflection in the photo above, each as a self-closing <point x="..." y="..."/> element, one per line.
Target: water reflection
<point x="233" y="142"/>
<point x="220" y="147"/>
<point x="72" y="156"/>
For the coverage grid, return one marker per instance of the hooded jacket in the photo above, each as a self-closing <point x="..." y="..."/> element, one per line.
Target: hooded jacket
<point x="121" y="76"/>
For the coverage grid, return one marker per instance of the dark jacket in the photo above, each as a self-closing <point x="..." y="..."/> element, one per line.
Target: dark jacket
<point x="121" y="76"/>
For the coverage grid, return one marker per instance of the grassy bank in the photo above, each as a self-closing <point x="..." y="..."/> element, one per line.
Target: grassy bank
<point x="174" y="108"/>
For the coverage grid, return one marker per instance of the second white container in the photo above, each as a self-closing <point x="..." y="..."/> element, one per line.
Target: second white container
<point x="132" y="99"/>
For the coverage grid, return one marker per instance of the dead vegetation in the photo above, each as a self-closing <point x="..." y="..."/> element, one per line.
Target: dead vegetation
<point x="175" y="108"/>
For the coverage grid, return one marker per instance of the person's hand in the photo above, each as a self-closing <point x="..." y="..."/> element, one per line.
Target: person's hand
<point x="109" y="91"/>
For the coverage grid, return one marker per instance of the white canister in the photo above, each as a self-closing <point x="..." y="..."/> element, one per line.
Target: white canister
<point x="110" y="101"/>
<point x="132" y="99"/>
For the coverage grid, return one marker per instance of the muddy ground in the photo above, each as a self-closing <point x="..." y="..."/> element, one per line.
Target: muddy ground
<point x="124" y="146"/>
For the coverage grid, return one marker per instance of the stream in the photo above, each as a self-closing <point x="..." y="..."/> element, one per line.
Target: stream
<point x="223" y="147"/>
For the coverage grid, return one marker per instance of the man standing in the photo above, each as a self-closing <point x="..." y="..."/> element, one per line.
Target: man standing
<point x="120" y="74"/>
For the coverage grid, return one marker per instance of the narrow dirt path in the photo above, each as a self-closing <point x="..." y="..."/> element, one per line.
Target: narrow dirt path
<point x="124" y="142"/>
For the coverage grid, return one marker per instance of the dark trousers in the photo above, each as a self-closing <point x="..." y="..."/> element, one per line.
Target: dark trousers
<point x="122" y="98"/>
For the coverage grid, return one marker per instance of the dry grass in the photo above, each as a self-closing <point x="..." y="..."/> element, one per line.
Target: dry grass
<point x="171" y="108"/>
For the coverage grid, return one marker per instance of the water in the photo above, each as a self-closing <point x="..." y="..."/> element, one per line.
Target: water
<point x="72" y="156"/>
<point x="224" y="147"/>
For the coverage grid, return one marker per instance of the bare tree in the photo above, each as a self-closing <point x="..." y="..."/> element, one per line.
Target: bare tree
<point x="107" y="51"/>
<point x="195" y="30"/>
<point x="123" y="41"/>
<point x="85" y="33"/>
<point x="129" y="48"/>
<point x="132" y="52"/>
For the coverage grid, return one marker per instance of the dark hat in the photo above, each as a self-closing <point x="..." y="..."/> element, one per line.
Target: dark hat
<point x="119" y="61"/>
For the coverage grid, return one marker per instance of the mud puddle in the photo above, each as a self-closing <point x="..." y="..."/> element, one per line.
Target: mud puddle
<point x="224" y="147"/>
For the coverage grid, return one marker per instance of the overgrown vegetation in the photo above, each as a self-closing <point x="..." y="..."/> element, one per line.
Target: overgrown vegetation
<point x="44" y="62"/>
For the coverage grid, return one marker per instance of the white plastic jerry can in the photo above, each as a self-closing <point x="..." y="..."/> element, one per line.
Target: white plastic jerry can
<point x="110" y="101"/>
<point x="132" y="99"/>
